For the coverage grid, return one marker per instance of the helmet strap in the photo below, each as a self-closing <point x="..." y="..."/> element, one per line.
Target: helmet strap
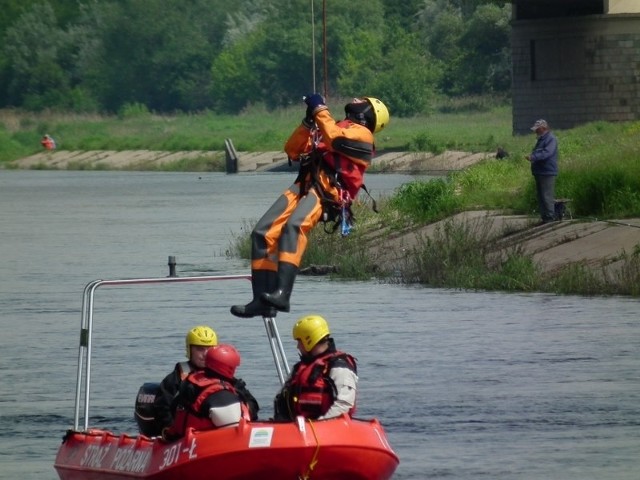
<point x="360" y="113"/>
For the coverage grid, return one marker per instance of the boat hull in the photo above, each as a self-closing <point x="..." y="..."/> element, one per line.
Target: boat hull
<point x="340" y="448"/>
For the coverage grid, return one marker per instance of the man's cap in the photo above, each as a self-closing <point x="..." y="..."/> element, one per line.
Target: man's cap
<point x="540" y="124"/>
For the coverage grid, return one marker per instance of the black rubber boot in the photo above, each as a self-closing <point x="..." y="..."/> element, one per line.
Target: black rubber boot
<point x="287" y="273"/>
<point x="261" y="281"/>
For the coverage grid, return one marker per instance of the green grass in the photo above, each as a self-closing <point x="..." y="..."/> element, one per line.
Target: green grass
<point x="482" y="131"/>
<point x="479" y="127"/>
<point x="20" y="132"/>
<point x="599" y="171"/>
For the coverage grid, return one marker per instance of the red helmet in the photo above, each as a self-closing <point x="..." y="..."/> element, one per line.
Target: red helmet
<point x="223" y="359"/>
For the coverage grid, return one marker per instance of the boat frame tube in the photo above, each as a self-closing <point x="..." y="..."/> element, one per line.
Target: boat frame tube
<point x="86" y="334"/>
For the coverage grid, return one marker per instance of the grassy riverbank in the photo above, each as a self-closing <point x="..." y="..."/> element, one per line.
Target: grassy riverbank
<point x="600" y="173"/>
<point x="476" y="125"/>
<point x="472" y="254"/>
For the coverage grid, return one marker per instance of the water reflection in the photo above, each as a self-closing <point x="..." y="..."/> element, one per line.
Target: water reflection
<point x="468" y="384"/>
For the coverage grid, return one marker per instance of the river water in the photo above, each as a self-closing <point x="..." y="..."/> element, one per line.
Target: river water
<point x="468" y="385"/>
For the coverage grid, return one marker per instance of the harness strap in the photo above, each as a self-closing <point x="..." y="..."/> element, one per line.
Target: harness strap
<point x="374" y="205"/>
<point x="338" y="162"/>
<point x="337" y="212"/>
<point x="310" y="166"/>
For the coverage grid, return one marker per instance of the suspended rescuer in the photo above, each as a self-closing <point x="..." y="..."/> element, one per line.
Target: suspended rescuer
<point x="333" y="157"/>
<point x="199" y="341"/>
<point x="323" y="383"/>
<point x="208" y="398"/>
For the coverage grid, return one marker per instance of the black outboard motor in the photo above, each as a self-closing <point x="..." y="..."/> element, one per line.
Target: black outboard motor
<point x="145" y="413"/>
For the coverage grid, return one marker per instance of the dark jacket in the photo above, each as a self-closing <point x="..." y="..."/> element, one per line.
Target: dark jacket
<point x="544" y="158"/>
<point x="247" y="397"/>
<point x="169" y="387"/>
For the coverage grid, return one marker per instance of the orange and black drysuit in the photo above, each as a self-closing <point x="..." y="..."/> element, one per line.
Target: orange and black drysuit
<point x="333" y="157"/>
<point x="310" y="390"/>
<point x="343" y="152"/>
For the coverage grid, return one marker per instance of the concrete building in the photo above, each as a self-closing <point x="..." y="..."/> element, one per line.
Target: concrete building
<point x="575" y="61"/>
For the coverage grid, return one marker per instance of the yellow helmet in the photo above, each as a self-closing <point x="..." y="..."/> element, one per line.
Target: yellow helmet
<point x="202" y="336"/>
<point x="381" y="113"/>
<point x="310" y="330"/>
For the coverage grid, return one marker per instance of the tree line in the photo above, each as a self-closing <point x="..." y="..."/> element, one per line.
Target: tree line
<point x="171" y="56"/>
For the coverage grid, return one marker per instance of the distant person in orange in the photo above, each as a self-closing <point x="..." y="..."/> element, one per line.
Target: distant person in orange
<point x="48" y="142"/>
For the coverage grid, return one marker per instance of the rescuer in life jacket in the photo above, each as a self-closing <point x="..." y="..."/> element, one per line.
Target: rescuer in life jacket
<point x="208" y="399"/>
<point x="198" y="342"/>
<point x="333" y="156"/>
<point x="323" y="383"/>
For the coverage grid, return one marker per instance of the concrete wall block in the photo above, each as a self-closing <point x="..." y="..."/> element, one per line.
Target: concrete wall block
<point x="605" y="88"/>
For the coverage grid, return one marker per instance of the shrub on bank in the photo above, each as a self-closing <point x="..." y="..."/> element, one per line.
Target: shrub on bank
<point x="463" y="255"/>
<point x="599" y="172"/>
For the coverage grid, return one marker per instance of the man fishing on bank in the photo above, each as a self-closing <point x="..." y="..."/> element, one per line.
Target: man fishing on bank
<point x="333" y="157"/>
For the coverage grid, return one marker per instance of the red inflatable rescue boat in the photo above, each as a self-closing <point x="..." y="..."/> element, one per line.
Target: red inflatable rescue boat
<point x="339" y="448"/>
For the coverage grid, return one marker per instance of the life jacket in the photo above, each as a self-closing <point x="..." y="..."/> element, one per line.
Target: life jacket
<point x="311" y="392"/>
<point x="344" y="164"/>
<point x="349" y="167"/>
<point x="190" y="417"/>
<point x="334" y="167"/>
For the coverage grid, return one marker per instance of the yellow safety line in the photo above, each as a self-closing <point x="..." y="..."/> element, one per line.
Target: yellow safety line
<point x="314" y="459"/>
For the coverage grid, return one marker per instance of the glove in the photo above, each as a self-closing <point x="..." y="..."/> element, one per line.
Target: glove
<point x="308" y="120"/>
<point x="315" y="102"/>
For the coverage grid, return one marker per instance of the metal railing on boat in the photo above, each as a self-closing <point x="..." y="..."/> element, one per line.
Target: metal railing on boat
<point x="86" y="330"/>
